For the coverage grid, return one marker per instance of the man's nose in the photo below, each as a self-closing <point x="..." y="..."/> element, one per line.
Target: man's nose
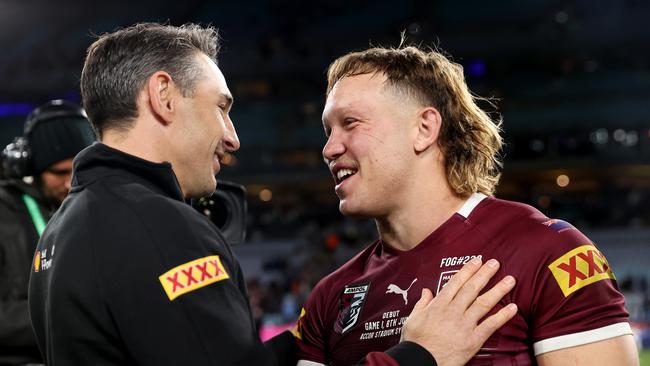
<point x="333" y="148"/>
<point x="231" y="140"/>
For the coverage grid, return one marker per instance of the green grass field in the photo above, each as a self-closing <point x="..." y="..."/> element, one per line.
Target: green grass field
<point x="644" y="356"/>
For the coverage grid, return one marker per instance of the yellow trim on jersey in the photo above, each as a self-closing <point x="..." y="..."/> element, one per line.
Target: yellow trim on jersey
<point x="297" y="330"/>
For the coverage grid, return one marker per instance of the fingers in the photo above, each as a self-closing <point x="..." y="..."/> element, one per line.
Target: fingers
<point x="484" y="303"/>
<point x="425" y="299"/>
<point x="421" y="307"/>
<point x="450" y="290"/>
<point x="494" y="322"/>
<point x="470" y="290"/>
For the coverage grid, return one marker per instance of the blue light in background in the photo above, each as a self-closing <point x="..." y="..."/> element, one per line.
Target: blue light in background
<point x="15" y="109"/>
<point x="476" y="68"/>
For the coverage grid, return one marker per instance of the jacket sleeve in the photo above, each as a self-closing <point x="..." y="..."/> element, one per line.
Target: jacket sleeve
<point x="283" y="348"/>
<point x="176" y="293"/>
<point x="15" y="327"/>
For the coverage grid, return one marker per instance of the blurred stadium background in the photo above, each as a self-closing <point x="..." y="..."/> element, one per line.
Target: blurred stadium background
<point x="571" y="78"/>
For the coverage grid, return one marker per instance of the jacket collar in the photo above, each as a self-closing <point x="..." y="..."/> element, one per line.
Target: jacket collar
<point x="98" y="161"/>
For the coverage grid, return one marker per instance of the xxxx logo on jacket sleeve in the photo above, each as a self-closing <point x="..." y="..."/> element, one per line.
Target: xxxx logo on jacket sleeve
<point x="580" y="267"/>
<point x="192" y="275"/>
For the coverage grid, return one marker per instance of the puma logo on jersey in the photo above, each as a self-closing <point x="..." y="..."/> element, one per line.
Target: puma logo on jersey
<point x="394" y="289"/>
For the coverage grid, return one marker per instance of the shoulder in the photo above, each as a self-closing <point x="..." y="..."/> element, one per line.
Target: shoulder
<point x="10" y="193"/>
<point x="345" y="275"/>
<point x="117" y="195"/>
<point x="518" y="225"/>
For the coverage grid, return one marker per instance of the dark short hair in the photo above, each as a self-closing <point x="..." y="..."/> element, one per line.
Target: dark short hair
<point x="119" y="64"/>
<point x="469" y="138"/>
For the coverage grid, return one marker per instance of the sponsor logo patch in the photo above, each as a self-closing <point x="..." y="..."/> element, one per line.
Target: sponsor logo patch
<point x="444" y="278"/>
<point x="352" y="300"/>
<point x="558" y="225"/>
<point x="41" y="261"/>
<point x="580" y="267"/>
<point x="192" y="275"/>
<point x="37" y="261"/>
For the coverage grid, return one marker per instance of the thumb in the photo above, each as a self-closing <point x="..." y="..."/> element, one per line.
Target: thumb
<point x="425" y="299"/>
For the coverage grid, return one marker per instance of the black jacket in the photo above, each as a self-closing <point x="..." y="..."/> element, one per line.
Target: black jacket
<point x="18" y="238"/>
<point x="131" y="274"/>
<point x="127" y="273"/>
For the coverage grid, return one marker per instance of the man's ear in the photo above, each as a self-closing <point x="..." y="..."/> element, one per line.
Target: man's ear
<point x="162" y="94"/>
<point x="429" y="122"/>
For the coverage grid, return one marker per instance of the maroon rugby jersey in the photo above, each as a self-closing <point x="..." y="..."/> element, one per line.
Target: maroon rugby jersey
<point x="565" y="289"/>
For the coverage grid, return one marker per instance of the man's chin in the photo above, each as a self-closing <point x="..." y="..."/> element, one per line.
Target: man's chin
<point x="205" y="190"/>
<point x="347" y="209"/>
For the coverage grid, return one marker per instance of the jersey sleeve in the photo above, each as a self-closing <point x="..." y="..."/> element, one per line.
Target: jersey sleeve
<point x="576" y="300"/>
<point x="310" y="331"/>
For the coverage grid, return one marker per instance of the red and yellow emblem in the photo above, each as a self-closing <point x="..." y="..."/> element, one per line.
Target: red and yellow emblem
<point x="580" y="267"/>
<point x="192" y="275"/>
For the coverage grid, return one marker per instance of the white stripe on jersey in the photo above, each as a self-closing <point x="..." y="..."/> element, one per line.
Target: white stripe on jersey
<point x="470" y="204"/>
<point x="309" y="363"/>
<point x="578" y="339"/>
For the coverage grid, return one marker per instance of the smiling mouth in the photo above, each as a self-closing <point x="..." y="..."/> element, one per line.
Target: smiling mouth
<point x="344" y="174"/>
<point x="219" y="155"/>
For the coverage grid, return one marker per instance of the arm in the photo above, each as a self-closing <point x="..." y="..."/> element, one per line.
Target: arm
<point x="283" y="348"/>
<point x="15" y="327"/>
<point x="579" y="316"/>
<point x="617" y="351"/>
<point x="180" y="297"/>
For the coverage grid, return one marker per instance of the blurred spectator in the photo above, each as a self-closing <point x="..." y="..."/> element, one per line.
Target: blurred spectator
<point x="54" y="133"/>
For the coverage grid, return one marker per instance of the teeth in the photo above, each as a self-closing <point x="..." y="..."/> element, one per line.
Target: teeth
<point x="344" y="173"/>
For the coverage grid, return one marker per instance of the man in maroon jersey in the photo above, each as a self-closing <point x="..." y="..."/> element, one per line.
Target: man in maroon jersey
<point x="408" y="146"/>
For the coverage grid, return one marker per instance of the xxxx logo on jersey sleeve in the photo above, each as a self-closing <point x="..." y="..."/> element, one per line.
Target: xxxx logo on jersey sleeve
<point x="192" y="275"/>
<point x="580" y="267"/>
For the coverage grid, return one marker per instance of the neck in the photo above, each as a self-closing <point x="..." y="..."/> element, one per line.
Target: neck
<point x="138" y="141"/>
<point x="409" y="227"/>
<point x="426" y="204"/>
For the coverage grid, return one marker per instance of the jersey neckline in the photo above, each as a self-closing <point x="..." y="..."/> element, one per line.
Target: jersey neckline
<point x="445" y="231"/>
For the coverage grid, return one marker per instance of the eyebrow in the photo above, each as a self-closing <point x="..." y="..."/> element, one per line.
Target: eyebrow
<point x="229" y="100"/>
<point x="334" y="114"/>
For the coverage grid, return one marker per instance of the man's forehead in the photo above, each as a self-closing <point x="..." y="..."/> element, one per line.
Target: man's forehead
<point x="352" y="83"/>
<point x="213" y="73"/>
<point x="352" y="90"/>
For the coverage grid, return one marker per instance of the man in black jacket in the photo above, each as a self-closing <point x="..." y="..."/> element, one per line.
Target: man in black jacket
<point x="54" y="133"/>
<point x="128" y="273"/>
